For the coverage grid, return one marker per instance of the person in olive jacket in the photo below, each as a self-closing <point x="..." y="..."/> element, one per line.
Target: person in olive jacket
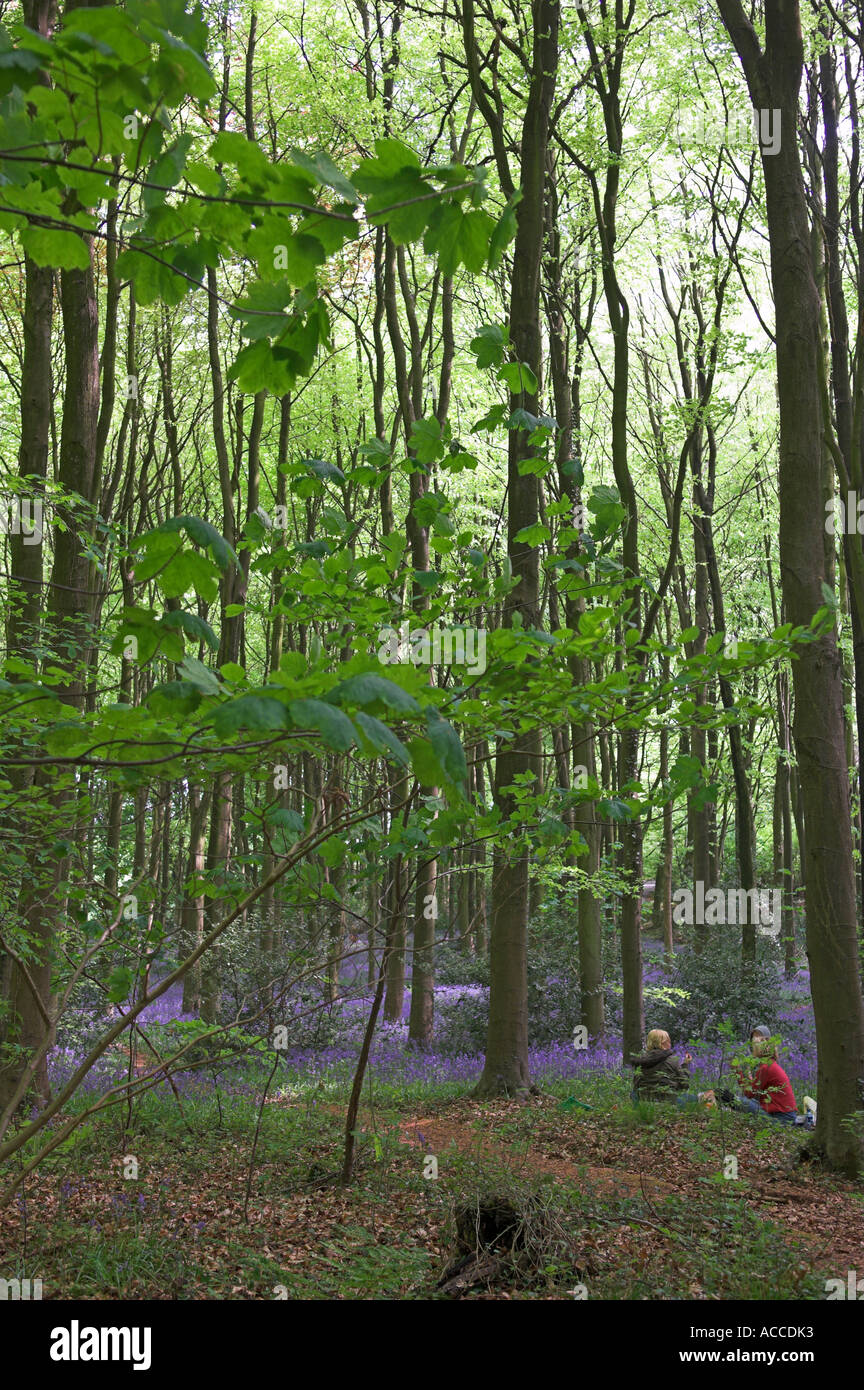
<point x="659" y="1074"/>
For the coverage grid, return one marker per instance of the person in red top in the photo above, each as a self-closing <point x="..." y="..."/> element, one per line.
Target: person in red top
<point x="768" y="1090"/>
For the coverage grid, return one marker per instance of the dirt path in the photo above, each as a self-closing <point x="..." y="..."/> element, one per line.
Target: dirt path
<point x="438" y="1135"/>
<point x="826" y="1214"/>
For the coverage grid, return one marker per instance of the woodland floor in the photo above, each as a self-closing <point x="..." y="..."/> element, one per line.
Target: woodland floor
<point x="623" y="1194"/>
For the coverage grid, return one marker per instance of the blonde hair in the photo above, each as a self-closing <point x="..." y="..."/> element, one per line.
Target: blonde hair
<point x="657" y="1038"/>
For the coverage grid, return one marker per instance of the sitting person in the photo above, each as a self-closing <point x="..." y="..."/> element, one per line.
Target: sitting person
<point x="659" y="1074"/>
<point x="767" y="1089"/>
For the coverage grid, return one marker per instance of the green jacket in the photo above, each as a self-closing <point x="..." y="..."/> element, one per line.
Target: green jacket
<point x="659" y="1074"/>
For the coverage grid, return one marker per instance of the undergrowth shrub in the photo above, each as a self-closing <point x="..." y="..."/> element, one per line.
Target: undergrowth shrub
<point x="715" y="990"/>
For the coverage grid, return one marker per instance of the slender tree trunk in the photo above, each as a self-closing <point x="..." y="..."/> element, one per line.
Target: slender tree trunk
<point x="506" y="1065"/>
<point x="422" y="1012"/>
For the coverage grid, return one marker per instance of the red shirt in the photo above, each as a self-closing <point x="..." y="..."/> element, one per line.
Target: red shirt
<point x="771" y="1087"/>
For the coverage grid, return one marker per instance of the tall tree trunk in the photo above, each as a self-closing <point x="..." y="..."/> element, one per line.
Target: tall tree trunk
<point x="774" y="79"/>
<point x="69" y="632"/>
<point x="506" y="1065"/>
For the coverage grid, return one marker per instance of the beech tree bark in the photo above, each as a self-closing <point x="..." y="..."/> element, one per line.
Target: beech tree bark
<point x="774" y="79"/>
<point x="506" y="1065"/>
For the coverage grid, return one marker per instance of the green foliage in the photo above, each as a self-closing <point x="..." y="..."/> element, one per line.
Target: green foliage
<point x="719" y="995"/>
<point x="115" y="118"/>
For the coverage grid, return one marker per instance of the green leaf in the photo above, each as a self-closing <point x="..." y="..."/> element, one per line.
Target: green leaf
<point x="120" y="983"/>
<point x="193" y="626"/>
<point x="705" y="796"/>
<point x="174" y="699"/>
<point x="334" y="727"/>
<point x="261" y="367"/>
<point x="368" y="689"/>
<point x="199" y="675"/>
<point x="279" y="817"/>
<point x="426" y="580"/>
<point x="426" y="440"/>
<point x="447" y="747"/>
<point x="533" y="535"/>
<point x="232" y="671"/>
<point x="205" y="536"/>
<point x="283" y="253"/>
<point x="572" y="468"/>
<point x="489" y="344"/>
<point x="64" y="250"/>
<point x="382" y="739"/>
<point x="687" y="771"/>
<point x="333" y="852"/>
<point x="605" y="503"/>
<point x="150" y="636"/>
<point x="263" y="309"/>
<point x="258" y="713"/>
<point x="403" y="207"/>
<point x="504" y="232"/>
<point x="492" y="420"/>
<point x="323" y="469"/>
<point x="391" y="158"/>
<point x="152" y="277"/>
<point x="520" y="419"/>
<point x="206" y="180"/>
<point x="424" y="761"/>
<point x="322" y="168"/>
<point x="230" y="147"/>
<point x="378" y="451"/>
<point x="186" y="572"/>
<point x="166" y="172"/>
<point x="519" y="377"/>
<point x="317" y="549"/>
<point x="459" y="237"/>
